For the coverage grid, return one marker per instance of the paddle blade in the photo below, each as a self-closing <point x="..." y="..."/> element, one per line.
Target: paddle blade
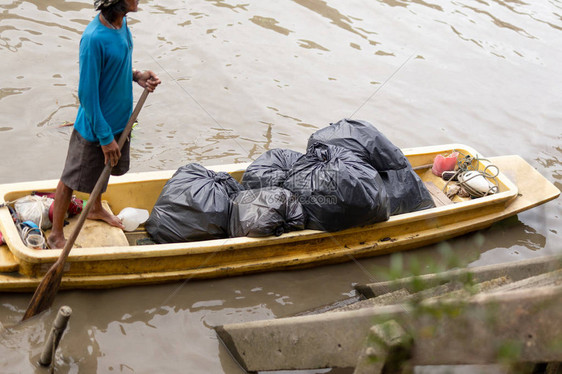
<point x="45" y="293"/>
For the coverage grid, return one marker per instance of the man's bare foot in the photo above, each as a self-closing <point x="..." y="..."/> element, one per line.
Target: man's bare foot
<point x="103" y="215"/>
<point x="56" y="241"/>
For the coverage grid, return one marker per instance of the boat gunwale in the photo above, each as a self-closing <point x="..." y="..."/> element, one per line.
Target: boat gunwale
<point x="25" y="254"/>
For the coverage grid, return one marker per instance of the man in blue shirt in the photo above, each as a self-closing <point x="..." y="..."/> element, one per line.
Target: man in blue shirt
<point x="106" y="102"/>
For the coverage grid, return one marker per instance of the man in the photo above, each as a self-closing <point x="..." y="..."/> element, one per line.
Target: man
<point x="106" y="103"/>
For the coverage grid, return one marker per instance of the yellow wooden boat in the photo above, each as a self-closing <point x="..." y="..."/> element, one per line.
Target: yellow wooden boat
<point x="107" y="257"/>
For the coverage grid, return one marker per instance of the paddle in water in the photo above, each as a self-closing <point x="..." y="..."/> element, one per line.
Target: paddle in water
<point x="45" y="293"/>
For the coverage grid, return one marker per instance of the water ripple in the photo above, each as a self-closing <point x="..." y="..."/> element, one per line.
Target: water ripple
<point x="405" y="3"/>
<point x="223" y="4"/>
<point x="270" y="24"/>
<point x="9" y="91"/>
<point x="322" y="8"/>
<point x="498" y="22"/>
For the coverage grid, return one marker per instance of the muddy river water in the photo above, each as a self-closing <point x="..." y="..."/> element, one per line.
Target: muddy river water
<point x="240" y="78"/>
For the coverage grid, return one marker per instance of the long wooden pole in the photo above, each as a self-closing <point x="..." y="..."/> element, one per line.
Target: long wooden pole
<point x="45" y="293"/>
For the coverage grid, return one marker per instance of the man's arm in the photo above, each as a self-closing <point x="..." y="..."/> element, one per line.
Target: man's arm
<point x="88" y="89"/>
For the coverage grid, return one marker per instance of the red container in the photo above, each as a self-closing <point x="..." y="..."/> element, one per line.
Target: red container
<point x="441" y="164"/>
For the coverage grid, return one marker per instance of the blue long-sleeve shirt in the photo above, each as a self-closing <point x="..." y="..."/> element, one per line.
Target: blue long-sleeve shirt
<point x="105" y="89"/>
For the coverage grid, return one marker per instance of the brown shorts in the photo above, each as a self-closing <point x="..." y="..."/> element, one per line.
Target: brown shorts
<point x="85" y="163"/>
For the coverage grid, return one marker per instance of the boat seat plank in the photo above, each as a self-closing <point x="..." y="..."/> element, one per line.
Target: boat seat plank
<point x="96" y="233"/>
<point x="7" y="262"/>
<point x="429" y="178"/>
<point x="439" y="197"/>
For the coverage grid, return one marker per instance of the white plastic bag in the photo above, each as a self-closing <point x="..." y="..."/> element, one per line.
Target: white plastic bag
<point x="132" y="218"/>
<point x="35" y="209"/>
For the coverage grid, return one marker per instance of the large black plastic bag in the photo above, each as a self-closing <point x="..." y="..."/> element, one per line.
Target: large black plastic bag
<point x="264" y="212"/>
<point x="337" y="189"/>
<point x="270" y="169"/>
<point x="405" y="189"/>
<point x="193" y="205"/>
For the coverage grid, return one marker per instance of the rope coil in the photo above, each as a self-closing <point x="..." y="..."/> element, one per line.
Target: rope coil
<point x="471" y="164"/>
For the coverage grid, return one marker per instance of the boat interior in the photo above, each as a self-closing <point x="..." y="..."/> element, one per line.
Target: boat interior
<point x="141" y="190"/>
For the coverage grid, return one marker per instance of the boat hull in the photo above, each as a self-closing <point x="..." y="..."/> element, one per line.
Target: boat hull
<point x="105" y="267"/>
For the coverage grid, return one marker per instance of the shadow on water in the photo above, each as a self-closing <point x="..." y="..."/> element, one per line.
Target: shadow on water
<point x="504" y="241"/>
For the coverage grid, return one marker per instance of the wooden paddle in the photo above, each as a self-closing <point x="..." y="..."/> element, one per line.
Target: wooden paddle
<point x="45" y="293"/>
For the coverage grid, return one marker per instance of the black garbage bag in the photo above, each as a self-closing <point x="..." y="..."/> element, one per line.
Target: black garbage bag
<point x="270" y="169"/>
<point x="405" y="189"/>
<point x="264" y="212"/>
<point x="193" y="205"/>
<point x="337" y="189"/>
